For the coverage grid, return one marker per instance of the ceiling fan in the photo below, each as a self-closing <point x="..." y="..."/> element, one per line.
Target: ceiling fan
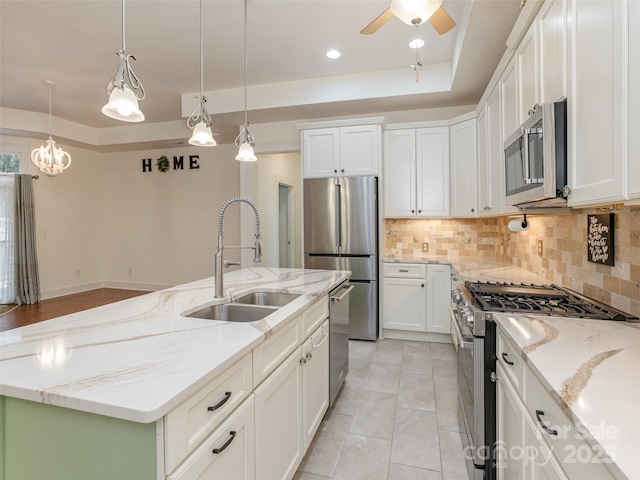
<point x="414" y="12"/>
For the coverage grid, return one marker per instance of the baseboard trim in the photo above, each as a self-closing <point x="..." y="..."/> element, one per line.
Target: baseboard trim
<point x="85" y="287"/>
<point x="418" y="336"/>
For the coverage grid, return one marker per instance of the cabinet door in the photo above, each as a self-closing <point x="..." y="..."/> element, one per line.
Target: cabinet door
<point x="527" y="74"/>
<point x="438" y="298"/>
<point x="279" y="446"/>
<point x="483" y="165"/>
<point x="400" y="173"/>
<point x="432" y="169"/>
<point x="552" y="54"/>
<point x="634" y="99"/>
<point x="540" y="464"/>
<point x="405" y="302"/>
<point x="509" y="100"/>
<point x="463" y="169"/>
<point x="597" y="103"/>
<point x="315" y="381"/>
<point x="320" y="152"/>
<point x="509" y="430"/>
<point x="227" y="453"/>
<point x="359" y="150"/>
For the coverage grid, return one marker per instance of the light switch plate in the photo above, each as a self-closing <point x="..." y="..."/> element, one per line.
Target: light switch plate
<point x="540" y="247"/>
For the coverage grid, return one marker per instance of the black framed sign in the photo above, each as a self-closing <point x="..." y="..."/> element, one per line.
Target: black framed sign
<point x="600" y="238"/>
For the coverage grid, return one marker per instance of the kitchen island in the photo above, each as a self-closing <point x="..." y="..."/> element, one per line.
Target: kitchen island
<point x="119" y="369"/>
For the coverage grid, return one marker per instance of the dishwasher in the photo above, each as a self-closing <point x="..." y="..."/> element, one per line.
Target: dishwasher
<point x="338" y="338"/>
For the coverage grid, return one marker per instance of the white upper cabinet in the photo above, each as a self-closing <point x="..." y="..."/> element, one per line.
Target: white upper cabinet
<point x="551" y="29"/>
<point x="508" y="85"/>
<point x="634" y="100"/>
<point x="484" y="173"/>
<point x="598" y="102"/>
<point x="527" y="75"/>
<point x="464" y="180"/>
<point x="341" y="151"/>
<point x="416" y="172"/>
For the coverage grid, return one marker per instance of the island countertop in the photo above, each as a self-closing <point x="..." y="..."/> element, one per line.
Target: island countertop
<point x="139" y="358"/>
<point x="590" y="369"/>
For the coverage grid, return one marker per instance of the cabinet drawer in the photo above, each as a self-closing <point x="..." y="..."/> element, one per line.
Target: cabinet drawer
<point x="404" y="270"/>
<point x="511" y="361"/>
<point x="314" y="317"/>
<point x="575" y="455"/>
<point x="196" y="417"/>
<point x="229" y="452"/>
<point x="272" y="352"/>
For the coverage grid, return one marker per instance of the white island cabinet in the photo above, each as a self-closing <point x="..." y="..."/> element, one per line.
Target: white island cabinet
<point x="150" y="410"/>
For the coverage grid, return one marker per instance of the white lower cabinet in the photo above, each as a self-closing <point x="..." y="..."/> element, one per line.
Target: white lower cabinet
<point x="315" y="382"/>
<point x="535" y="439"/>
<point x="439" y="298"/>
<point x="227" y="453"/>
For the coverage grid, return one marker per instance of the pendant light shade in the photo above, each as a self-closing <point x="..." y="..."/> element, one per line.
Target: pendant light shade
<point x="414" y="12"/>
<point x="200" y="121"/>
<point x="124" y="88"/>
<point x="49" y="159"/>
<point x="244" y="140"/>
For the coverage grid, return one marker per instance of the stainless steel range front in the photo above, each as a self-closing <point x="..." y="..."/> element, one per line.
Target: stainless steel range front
<point x="473" y="331"/>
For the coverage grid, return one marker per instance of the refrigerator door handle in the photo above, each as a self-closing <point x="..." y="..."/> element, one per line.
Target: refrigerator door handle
<point x="338" y="216"/>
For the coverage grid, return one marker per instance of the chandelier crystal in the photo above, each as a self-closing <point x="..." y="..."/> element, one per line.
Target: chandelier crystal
<point x="245" y="141"/>
<point x="124" y="88"/>
<point x="200" y="121"/>
<point x="49" y="159"/>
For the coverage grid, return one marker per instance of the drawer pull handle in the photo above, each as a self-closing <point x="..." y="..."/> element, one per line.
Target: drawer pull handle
<point x="550" y="431"/>
<point x="226" y="444"/>
<point x="403" y="271"/>
<point x="506" y="360"/>
<point x="227" y="396"/>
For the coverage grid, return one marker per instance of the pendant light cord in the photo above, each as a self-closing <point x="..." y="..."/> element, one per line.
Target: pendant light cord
<point x="246" y="123"/>
<point x="50" y="129"/>
<point x="201" y="57"/>
<point x="123" y="29"/>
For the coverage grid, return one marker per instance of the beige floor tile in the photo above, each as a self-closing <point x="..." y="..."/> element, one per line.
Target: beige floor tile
<point x="453" y="464"/>
<point x="447" y="409"/>
<point x="363" y="458"/>
<point x="416" y="392"/>
<point x="445" y="373"/>
<point x="347" y="399"/>
<point x="415" y="439"/>
<point x="389" y="351"/>
<point x="416" y="358"/>
<point x="375" y="415"/>
<point x="405" y="472"/>
<point x="324" y="451"/>
<point x="383" y="377"/>
<point x="443" y="351"/>
<point x="308" y="476"/>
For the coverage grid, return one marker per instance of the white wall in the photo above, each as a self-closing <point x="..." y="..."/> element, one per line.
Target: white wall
<point x="270" y="171"/>
<point x="163" y="227"/>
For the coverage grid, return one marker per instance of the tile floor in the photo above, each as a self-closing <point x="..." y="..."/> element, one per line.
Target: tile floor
<point x="395" y="418"/>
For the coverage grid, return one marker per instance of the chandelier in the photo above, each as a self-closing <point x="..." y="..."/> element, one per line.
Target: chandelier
<point x="124" y="88"/>
<point x="49" y="159"/>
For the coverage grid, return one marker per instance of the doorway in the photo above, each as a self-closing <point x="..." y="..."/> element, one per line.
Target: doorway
<point x="285" y="226"/>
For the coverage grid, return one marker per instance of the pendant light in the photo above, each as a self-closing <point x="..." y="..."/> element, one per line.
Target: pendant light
<point x="200" y="121"/>
<point x="124" y="88"/>
<point x="51" y="160"/>
<point x="245" y="141"/>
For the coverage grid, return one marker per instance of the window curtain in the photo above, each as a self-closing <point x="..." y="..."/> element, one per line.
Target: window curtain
<point x="26" y="259"/>
<point x="7" y="239"/>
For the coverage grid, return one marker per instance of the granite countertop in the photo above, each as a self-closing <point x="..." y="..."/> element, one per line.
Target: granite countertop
<point x="590" y="367"/>
<point x="476" y="269"/>
<point x="139" y="358"/>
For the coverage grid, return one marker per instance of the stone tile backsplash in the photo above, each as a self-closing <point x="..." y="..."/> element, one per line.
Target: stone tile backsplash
<point x="564" y="249"/>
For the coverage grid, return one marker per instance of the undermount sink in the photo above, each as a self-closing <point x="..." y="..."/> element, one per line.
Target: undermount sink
<point x="272" y="299"/>
<point x="234" y="312"/>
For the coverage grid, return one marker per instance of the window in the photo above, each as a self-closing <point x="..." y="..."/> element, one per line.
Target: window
<point x="9" y="163"/>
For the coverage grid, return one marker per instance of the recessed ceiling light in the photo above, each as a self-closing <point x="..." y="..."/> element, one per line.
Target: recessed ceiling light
<point x="333" y="54"/>
<point x="416" y="43"/>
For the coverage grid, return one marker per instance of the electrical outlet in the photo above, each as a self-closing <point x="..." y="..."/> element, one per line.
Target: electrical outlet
<point x="502" y="239"/>
<point x="540" y="247"/>
<point x="425" y="246"/>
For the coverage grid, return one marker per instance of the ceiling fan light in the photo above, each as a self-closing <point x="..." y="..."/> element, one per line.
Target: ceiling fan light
<point x="410" y="10"/>
<point x="246" y="154"/>
<point x="123" y="105"/>
<point x="202" y="136"/>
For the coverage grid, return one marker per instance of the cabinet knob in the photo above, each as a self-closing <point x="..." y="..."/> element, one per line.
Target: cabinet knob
<point x="342" y="170"/>
<point x="335" y="171"/>
<point x="419" y="211"/>
<point x="422" y="285"/>
<point x="413" y="211"/>
<point x="473" y="210"/>
<point x="309" y="356"/>
<point x="487" y="207"/>
<point x="303" y="361"/>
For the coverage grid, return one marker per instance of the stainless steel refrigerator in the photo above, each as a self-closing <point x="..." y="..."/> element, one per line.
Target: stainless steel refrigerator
<point x="341" y="233"/>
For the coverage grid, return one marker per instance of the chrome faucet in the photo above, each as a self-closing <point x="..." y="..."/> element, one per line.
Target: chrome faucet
<point x="219" y="263"/>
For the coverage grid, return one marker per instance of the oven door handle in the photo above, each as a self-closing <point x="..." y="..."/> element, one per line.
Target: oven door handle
<point x="462" y="342"/>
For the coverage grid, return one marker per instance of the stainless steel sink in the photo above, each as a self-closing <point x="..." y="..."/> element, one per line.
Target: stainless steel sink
<point x="234" y="312"/>
<point x="272" y="299"/>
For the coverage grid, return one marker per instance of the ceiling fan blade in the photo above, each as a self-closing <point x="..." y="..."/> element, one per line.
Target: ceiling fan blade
<point x="380" y="20"/>
<point x="441" y="21"/>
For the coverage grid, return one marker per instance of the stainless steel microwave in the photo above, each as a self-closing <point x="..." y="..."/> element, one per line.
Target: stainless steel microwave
<point x="535" y="159"/>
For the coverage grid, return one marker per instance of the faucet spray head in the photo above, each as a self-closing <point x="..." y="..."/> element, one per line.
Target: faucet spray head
<point x="258" y="250"/>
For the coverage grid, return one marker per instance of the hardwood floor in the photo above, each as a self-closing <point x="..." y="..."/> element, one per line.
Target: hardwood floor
<point x="56" y="307"/>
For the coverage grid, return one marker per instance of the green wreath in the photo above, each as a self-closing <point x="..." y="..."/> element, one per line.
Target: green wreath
<point x="163" y="163"/>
